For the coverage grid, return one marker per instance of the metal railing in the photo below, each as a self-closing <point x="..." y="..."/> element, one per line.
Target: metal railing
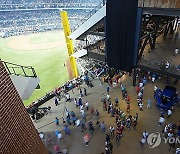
<point x="85" y="18"/>
<point x="19" y="70"/>
<point x="161" y="65"/>
<point x="158" y="3"/>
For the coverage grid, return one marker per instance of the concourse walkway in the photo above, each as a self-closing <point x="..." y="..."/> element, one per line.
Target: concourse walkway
<point x="130" y="142"/>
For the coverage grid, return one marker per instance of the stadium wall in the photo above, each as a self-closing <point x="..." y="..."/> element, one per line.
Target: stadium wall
<point x="18" y="134"/>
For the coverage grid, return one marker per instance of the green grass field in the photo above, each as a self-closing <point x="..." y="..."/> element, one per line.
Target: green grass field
<point x="48" y="63"/>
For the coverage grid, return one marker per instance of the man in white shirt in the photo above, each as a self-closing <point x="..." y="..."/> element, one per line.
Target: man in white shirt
<point x="167" y="65"/>
<point x="87" y="106"/>
<point x="155" y="88"/>
<point x="108" y="97"/>
<point x="161" y="121"/>
<point x="145" y="134"/>
<point x="176" y="51"/>
<point x="169" y="113"/>
<point x="141" y="84"/>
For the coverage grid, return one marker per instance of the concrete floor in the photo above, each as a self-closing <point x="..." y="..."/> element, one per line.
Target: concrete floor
<point x="164" y="49"/>
<point x="148" y="120"/>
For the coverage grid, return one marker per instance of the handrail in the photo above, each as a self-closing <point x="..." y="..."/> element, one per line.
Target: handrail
<point x="15" y="64"/>
<point x="15" y="69"/>
<point x="99" y="6"/>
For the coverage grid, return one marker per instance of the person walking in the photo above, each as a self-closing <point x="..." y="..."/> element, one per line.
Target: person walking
<point x="149" y="104"/>
<point x="81" y="94"/>
<point x="85" y="92"/>
<point x="169" y="113"/>
<point x="97" y="115"/>
<point x="161" y="120"/>
<point x="145" y="135"/>
<point x="59" y="135"/>
<point x="86" y="139"/>
<point x="103" y="128"/>
<point x="107" y="139"/>
<point x="92" y="110"/>
<point x="87" y="105"/>
<point x="76" y="102"/>
<point x="107" y="89"/>
<point x="82" y="124"/>
<point x="142" y="142"/>
<point x="67" y="130"/>
<point x="155" y="88"/>
<point x="56" y="101"/>
<point x="83" y="115"/>
<point x="91" y="127"/>
<point x="136" y="116"/>
<point x="74" y="120"/>
<point x="57" y="121"/>
<point x="176" y="51"/>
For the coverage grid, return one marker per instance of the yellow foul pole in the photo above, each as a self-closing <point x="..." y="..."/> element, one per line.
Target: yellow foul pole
<point x="70" y="48"/>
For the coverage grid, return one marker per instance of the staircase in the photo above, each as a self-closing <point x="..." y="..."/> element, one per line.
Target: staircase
<point x="24" y="78"/>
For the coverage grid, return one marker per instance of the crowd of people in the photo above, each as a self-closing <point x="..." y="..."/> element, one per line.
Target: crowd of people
<point x="123" y="119"/>
<point x="47" y="1"/>
<point x="32" y="21"/>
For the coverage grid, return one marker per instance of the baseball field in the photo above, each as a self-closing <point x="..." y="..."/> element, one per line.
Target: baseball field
<point x="45" y="51"/>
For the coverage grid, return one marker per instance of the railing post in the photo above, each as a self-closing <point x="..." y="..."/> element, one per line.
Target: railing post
<point x="23" y="71"/>
<point x="13" y="71"/>
<point x="7" y="68"/>
<point x="34" y="73"/>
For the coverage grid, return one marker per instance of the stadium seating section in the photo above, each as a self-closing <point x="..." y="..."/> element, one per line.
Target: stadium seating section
<point x="29" y="16"/>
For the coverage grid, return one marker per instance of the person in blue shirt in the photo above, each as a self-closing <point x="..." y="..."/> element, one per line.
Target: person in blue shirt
<point x="116" y="101"/>
<point x="108" y="89"/>
<point x="57" y="121"/>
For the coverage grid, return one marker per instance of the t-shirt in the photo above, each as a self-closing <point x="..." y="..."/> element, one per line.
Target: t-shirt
<point x="176" y="51"/>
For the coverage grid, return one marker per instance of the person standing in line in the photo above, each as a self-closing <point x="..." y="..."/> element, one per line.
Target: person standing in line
<point x="137" y="89"/>
<point x="108" y="89"/>
<point x="128" y="107"/>
<point x="112" y="130"/>
<point x="116" y="101"/>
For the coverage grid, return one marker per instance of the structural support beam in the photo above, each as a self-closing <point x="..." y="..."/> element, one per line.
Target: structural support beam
<point x="69" y="44"/>
<point x="155" y="33"/>
<point x="134" y="77"/>
<point x="165" y="30"/>
<point x="143" y="47"/>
